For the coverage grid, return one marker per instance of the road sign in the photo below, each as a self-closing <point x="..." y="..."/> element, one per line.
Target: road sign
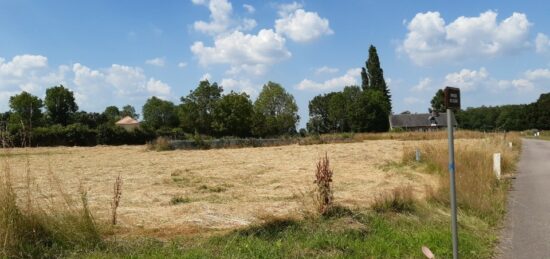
<point x="452" y="97"/>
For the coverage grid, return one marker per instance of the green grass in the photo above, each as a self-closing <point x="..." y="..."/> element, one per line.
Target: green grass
<point x="344" y="235"/>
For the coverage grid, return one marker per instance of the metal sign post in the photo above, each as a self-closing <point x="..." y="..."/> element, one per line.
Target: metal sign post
<point x="452" y="101"/>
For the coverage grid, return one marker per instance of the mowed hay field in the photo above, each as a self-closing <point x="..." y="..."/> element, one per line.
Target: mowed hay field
<point x="217" y="189"/>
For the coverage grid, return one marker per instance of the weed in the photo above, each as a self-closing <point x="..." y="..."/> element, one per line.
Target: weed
<point x="117" y="192"/>
<point x="160" y="144"/>
<point x="323" y="179"/>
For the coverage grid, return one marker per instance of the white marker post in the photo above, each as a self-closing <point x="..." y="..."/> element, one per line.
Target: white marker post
<point x="452" y="101"/>
<point x="496" y="165"/>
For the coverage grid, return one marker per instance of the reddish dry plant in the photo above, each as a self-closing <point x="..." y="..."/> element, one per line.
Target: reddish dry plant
<point x="323" y="179"/>
<point x="117" y="193"/>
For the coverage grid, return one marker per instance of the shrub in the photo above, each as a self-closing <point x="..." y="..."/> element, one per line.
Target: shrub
<point x="323" y="179"/>
<point x="179" y="200"/>
<point x="160" y="144"/>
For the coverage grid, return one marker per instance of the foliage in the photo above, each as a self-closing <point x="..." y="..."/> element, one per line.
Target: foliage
<point x="232" y="115"/>
<point x="26" y="110"/>
<point x="276" y="112"/>
<point x="90" y="119"/>
<point x="399" y="200"/>
<point x="158" y="113"/>
<point x="197" y="108"/>
<point x="129" y="110"/>
<point x="508" y="117"/>
<point x="112" y="113"/>
<point x="60" y="104"/>
<point x="438" y="101"/>
<point x="373" y="77"/>
<point x="350" y="110"/>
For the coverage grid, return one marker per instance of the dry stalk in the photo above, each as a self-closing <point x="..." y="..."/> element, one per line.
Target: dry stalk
<point x="117" y="193"/>
<point x="323" y="179"/>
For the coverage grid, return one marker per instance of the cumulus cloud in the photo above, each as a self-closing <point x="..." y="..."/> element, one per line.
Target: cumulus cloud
<point x="240" y="85"/>
<point x="423" y="85"/>
<point x="221" y="20"/>
<point x="537" y="74"/>
<point x="542" y="43"/>
<point x="326" y="70"/>
<point x="182" y="65"/>
<point x="467" y="79"/>
<point x="239" y="49"/>
<point x="249" y="8"/>
<point x="300" y="25"/>
<point x="159" y="62"/>
<point x="21" y="64"/>
<point x="351" y="77"/>
<point x="158" y="88"/>
<point x="430" y="40"/>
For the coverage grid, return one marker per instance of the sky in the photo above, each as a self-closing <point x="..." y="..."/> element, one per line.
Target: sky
<point x="123" y="52"/>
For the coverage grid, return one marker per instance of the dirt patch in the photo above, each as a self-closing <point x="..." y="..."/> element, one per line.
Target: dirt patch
<point x="222" y="189"/>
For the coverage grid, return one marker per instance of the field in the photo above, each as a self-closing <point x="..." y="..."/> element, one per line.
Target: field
<point x="256" y="202"/>
<point x="167" y="193"/>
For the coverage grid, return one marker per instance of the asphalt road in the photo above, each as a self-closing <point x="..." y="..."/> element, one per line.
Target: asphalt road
<point x="527" y="229"/>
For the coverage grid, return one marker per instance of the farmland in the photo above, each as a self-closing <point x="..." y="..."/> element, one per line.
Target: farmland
<point x="219" y="189"/>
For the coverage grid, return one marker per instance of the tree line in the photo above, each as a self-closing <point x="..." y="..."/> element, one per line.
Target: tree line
<point x="518" y="117"/>
<point x="206" y="110"/>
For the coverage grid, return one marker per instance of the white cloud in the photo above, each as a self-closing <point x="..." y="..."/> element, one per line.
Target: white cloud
<point x="182" y="65"/>
<point x="249" y="8"/>
<point x="220" y="17"/>
<point x="411" y="100"/>
<point x="239" y="49"/>
<point x="537" y="74"/>
<point x="326" y="70"/>
<point x="430" y="40"/>
<point x="221" y="20"/>
<point x="350" y="78"/>
<point x="159" y="62"/>
<point x="158" y="88"/>
<point x="302" y="26"/>
<point x="423" y="85"/>
<point x="467" y="79"/>
<point x="21" y="64"/>
<point x="240" y="85"/>
<point x="287" y="9"/>
<point x="542" y="43"/>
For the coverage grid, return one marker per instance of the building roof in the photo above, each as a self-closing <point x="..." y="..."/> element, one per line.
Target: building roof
<point x="127" y="121"/>
<point x="418" y="120"/>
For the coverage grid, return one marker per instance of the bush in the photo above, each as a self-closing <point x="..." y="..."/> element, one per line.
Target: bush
<point x="160" y="144"/>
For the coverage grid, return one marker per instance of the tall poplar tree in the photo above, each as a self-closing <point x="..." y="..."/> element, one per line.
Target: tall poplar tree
<point x="373" y="76"/>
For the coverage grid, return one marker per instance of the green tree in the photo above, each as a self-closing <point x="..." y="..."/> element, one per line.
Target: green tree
<point x="196" y="110"/>
<point x="232" y="115"/>
<point x="318" y="114"/>
<point x="92" y="119"/>
<point x="373" y="76"/>
<point x="129" y="110"/>
<point x="60" y="104"/>
<point x="159" y="113"/>
<point x="26" y="111"/>
<point x="438" y="101"/>
<point x="112" y="113"/>
<point x="276" y="111"/>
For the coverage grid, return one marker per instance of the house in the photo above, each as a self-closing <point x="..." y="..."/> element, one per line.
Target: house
<point x="420" y="121"/>
<point x="128" y="123"/>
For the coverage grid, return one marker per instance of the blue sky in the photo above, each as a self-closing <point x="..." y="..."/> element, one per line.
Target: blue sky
<point x="123" y="52"/>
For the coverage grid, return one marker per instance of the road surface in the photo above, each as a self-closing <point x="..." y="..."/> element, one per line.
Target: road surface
<point x="527" y="229"/>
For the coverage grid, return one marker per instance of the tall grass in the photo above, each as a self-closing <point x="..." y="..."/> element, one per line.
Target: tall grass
<point x="477" y="188"/>
<point x="29" y="228"/>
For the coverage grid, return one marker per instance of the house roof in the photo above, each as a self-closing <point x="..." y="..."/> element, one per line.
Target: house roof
<point x="127" y="121"/>
<point x="418" y="120"/>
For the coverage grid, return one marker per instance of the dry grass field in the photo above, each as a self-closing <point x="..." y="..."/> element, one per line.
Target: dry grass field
<point x="185" y="191"/>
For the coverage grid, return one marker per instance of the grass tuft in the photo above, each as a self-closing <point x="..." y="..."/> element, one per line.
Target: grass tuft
<point x="399" y="200"/>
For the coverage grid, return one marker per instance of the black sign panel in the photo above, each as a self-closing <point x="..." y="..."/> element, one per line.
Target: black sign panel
<point x="452" y="98"/>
